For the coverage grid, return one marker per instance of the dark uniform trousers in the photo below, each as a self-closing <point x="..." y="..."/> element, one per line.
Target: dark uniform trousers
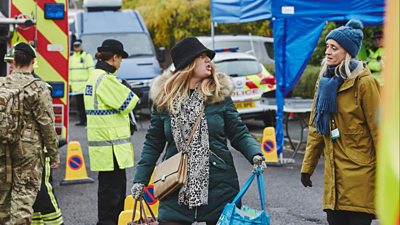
<point x="45" y="208"/>
<point x="80" y="108"/>
<point x="111" y="195"/>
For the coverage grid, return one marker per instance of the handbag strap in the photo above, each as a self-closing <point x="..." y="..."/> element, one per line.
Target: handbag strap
<point x="145" y="219"/>
<point x="151" y="211"/>
<point x="134" y="210"/>
<point x="196" y="124"/>
<point x="260" y="182"/>
<point x="192" y="131"/>
<point x="244" y="189"/>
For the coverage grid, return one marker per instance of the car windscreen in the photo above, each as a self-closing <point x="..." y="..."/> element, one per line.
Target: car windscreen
<point x="238" y="67"/>
<point x="135" y="44"/>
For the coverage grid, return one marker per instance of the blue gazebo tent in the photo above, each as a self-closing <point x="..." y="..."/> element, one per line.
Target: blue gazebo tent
<point x="297" y="25"/>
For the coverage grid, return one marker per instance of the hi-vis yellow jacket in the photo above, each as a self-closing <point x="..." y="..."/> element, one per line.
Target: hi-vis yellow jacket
<point x="80" y="68"/>
<point x="107" y="104"/>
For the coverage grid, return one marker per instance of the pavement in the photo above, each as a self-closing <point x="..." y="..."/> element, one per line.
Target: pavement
<point x="287" y="201"/>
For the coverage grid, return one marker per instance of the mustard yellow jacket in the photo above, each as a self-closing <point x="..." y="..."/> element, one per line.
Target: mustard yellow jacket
<point x="349" y="160"/>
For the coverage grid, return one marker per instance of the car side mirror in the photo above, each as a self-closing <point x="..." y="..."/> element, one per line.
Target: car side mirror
<point x="161" y="54"/>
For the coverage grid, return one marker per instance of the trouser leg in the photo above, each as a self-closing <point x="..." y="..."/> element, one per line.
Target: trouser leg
<point x="111" y="195"/>
<point x="359" y="218"/>
<point x="5" y="190"/>
<point x="27" y="174"/>
<point x="46" y="210"/>
<point x="80" y="107"/>
<point x="337" y="217"/>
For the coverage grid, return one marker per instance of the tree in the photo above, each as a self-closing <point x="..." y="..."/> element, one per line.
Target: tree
<point x="169" y="21"/>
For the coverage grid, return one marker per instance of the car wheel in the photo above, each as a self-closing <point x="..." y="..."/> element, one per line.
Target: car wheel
<point x="269" y="118"/>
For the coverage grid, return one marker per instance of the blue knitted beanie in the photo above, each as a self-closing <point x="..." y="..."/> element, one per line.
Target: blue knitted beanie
<point x="348" y="36"/>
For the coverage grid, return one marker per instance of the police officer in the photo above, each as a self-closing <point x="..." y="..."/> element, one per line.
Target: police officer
<point x="80" y="68"/>
<point x="27" y="155"/>
<point x="108" y="103"/>
<point x="45" y="209"/>
<point x="375" y="55"/>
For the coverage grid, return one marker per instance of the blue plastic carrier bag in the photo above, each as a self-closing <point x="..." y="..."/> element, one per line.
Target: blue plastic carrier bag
<point x="232" y="215"/>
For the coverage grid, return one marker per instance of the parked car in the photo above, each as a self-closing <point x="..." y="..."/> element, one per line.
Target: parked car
<point x="251" y="80"/>
<point x="103" y="20"/>
<point x="260" y="47"/>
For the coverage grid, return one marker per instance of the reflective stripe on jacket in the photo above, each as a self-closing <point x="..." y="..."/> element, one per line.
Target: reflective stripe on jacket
<point x="375" y="60"/>
<point x="80" y="67"/>
<point x="107" y="104"/>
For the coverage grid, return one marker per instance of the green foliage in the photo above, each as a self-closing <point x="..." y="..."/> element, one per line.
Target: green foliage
<point x="260" y="28"/>
<point x="170" y="21"/>
<point x="319" y="51"/>
<point x="305" y="87"/>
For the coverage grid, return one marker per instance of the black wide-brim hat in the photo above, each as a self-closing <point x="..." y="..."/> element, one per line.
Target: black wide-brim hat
<point x="113" y="46"/>
<point x="186" y="51"/>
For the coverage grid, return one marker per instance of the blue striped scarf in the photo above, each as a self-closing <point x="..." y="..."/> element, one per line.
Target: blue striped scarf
<point x="326" y="103"/>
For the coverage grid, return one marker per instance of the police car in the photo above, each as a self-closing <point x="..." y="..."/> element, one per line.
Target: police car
<point x="251" y="80"/>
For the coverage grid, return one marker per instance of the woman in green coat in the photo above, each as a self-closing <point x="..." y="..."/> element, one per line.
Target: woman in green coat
<point x="178" y="98"/>
<point x="344" y="126"/>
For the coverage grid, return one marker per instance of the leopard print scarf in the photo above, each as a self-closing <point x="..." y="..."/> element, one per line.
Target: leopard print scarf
<point x="195" y="192"/>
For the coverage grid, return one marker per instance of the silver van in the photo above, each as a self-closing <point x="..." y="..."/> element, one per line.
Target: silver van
<point x="261" y="47"/>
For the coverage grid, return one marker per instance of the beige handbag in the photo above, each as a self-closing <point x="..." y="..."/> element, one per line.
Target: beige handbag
<point x="171" y="174"/>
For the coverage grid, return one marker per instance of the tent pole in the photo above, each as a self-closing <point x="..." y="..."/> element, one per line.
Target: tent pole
<point x="212" y="35"/>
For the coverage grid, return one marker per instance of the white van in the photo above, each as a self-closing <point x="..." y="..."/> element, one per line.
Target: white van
<point x="261" y="47"/>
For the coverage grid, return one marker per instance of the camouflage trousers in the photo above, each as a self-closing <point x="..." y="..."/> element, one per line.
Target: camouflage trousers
<point x="16" y="199"/>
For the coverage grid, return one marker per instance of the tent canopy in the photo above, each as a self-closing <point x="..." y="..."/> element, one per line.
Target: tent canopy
<point x="295" y="23"/>
<point x="240" y="11"/>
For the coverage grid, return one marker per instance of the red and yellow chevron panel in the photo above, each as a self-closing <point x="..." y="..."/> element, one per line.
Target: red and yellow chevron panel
<point x="50" y="38"/>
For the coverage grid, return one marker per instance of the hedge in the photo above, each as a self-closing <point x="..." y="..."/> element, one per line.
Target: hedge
<point x="305" y="87"/>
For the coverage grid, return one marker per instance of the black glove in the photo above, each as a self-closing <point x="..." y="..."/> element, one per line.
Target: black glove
<point x="305" y="180"/>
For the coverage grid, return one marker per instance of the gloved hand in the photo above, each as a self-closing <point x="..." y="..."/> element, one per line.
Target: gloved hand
<point x="259" y="161"/>
<point x="305" y="180"/>
<point x="137" y="190"/>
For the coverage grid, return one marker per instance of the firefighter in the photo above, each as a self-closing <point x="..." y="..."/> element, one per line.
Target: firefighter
<point x="45" y="209"/>
<point x="80" y="68"/>
<point x="108" y="103"/>
<point x="27" y="154"/>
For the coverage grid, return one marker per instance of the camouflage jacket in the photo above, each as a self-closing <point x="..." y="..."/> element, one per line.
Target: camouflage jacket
<point x="38" y="126"/>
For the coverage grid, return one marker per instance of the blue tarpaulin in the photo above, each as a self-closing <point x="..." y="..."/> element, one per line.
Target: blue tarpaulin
<point x="297" y="25"/>
<point x="240" y="11"/>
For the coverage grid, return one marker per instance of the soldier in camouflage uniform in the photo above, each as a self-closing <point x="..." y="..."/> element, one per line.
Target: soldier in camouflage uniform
<point x="27" y="156"/>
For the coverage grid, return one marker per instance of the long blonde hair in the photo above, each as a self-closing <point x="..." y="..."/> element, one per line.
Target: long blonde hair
<point x="177" y="87"/>
<point x="343" y="69"/>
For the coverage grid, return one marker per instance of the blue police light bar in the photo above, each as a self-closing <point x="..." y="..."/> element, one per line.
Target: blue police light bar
<point x="234" y="49"/>
<point x="57" y="90"/>
<point x="54" y="11"/>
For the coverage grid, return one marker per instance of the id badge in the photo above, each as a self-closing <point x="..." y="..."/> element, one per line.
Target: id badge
<point x="335" y="134"/>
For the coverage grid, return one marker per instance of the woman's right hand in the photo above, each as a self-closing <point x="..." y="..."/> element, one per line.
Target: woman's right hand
<point x="137" y="190"/>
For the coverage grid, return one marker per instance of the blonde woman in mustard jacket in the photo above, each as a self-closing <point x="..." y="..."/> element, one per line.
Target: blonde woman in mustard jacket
<point x="343" y="125"/>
